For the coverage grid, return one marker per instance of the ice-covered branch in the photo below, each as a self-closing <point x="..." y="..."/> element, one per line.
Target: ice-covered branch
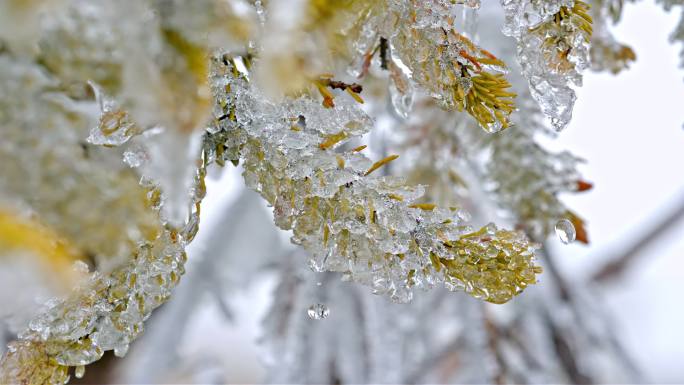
<point x="619" y="264"/>
<point x="418" y="42"/>
<point x="372" y="228"/>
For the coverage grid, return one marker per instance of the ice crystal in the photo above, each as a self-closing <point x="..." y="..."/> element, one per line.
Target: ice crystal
<point x="553" y="49"/>
<point x="401" y="90"/>
<point x="318" y="311"/>
<point x="114" y="127"/>
<point x="80" y="267"/>
<point x="371" y="227"/>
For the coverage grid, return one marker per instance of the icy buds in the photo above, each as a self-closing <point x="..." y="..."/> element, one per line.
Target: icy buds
<point x="488" y="100"/>
<point x="492" y="263"/>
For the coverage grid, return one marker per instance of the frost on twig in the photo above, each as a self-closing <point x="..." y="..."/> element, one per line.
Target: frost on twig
<point x="678" y="34"/>
<point x="372" y="228"/>
<point x="607" y="54"/>
<point x="553" y="49"/>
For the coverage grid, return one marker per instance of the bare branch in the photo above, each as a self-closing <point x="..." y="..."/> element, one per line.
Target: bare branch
<point x="619" y="265"/>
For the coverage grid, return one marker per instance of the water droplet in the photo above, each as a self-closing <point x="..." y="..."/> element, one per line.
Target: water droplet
<point x="79" y="371"/>
<point x="318" y="311"/>
<point x="319" y="283"/>
<point x="565" y="231"/>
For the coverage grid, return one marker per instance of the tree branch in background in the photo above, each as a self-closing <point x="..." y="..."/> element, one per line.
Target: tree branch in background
<point x="619" y="265"/>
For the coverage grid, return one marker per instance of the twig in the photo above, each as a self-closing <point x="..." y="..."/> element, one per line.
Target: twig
<point x="619" y="265"/>
<point x="565" y="354"/>
<point x="384" y="53"/>
<point x="493" y="336"/>
<point x="432" y="360"/>
<point x="340" y="85"/>
<point x="574" y="302"/>
<point x="562" y="285"/>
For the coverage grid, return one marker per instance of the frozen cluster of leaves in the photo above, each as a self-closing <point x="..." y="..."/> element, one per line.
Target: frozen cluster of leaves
<point x="445" y="63"/>
<point x="154" y="64"/>
<point x="553" y="49"/>
<point x="61" y="183"/>
<point x="416" y="41"/>
<point x="369" y="227"/>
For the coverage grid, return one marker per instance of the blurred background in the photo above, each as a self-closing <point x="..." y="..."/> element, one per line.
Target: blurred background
<point x="628" y="128"/>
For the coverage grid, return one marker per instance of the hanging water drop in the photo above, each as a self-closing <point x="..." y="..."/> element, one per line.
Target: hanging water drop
<point x="79" y="371"/>
<point x="121" y="350"/>
<point x="566" y="231"/>
<point x="318" y="311"/>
